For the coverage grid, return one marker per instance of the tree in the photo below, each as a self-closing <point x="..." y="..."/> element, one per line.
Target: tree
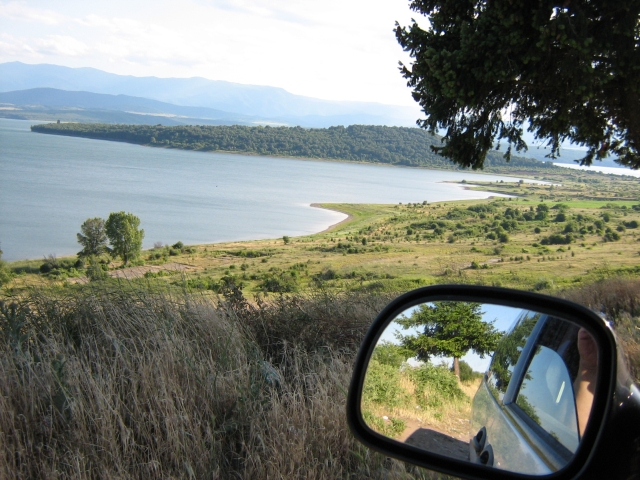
<point x="124" y="236"/>
<point x="5" y="274"/>
<point x="93" y="237"/>
<point x="451" y="329"/>
<point x="570" y="69"/>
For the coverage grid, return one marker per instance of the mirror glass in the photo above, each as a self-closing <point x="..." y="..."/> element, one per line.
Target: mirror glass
<point x="504" y="387"/>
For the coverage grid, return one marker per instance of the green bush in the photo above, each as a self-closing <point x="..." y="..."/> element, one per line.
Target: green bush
<point x="436" y="385"/>
<point x="382" y="385"/>
<point x="558" y="239"/>
<point x="467" y="374"/>
<point x="279" y="283"/>
<point x="389" y="354"/>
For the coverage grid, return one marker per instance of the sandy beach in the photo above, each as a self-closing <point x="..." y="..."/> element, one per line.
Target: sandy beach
<point x="331" y="227"/>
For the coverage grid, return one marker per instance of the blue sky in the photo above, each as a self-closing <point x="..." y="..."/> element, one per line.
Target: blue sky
<point x="333" y="49"/>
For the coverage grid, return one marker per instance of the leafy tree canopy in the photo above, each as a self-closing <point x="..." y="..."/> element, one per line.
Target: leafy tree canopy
<point x="93" y="237"/>
<point x="125" y="237"/>
<point x="450" y="329"/>
<point x="482" y="70"/>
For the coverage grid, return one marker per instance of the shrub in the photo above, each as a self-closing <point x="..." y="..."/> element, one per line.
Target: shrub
<point x="382" y="385"/>
<point x="557" y="239"/>
<point x="611" y="236"/>
<point x="467" y="374"/>
<point x="278" y="283"/>
<point x="389" y="354"/>
<point x="436" y="384"/>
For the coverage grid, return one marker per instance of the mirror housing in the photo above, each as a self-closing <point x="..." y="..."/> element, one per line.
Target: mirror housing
<point x="593" y="441"/>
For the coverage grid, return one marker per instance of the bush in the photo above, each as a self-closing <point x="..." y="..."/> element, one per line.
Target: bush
<point x="386" y="353"/>
<point x="382" y="385"/>
<point x="178" y="245"/>
<point x="45" y="267"/>
<point x="281" y="282"/>
<point x="467" y="374"/>
<point x="557" y="239"/>
<point x="436" y="385"/>
<point x="611" y="236"/>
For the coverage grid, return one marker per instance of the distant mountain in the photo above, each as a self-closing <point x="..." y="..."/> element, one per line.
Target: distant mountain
<point x="567" y="155"/>
<point x="49" y="103"/>
<point x="265" y="103"/>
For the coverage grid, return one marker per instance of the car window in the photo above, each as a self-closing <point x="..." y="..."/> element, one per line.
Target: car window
<point x="508" y="353"/>
<point x="546" y="397"/>
<point x="546" y="393"/>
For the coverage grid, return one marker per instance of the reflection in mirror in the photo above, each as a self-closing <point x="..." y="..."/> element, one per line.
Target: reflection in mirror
<point x="484" y="383"/>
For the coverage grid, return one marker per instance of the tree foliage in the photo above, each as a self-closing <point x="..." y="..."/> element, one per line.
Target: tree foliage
<point x="450" y="329"/>
<point x="5" y="274"/>
<point x="125" y="237"/>
<point x="482" y="70"/>
<point x="356" y="143"/>
<point x="93" y="237"/>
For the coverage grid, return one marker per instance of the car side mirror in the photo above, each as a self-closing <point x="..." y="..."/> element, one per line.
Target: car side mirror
<point x="484" y="382"/>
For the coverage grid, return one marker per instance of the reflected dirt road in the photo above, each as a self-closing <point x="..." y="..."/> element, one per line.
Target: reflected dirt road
<point x="426" y="438"/>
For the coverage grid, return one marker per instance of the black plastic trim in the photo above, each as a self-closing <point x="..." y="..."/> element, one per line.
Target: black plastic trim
<point x="502" y="296"/>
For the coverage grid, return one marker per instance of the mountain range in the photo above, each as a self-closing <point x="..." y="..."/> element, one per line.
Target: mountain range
<point x="213" y="100"/>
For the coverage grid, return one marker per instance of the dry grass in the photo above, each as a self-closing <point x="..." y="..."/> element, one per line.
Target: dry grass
<point x="106" y="382"/>
<point x="129" y="384"/>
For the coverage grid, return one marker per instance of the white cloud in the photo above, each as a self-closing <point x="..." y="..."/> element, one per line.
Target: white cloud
<point x="331" y="49"/>
<point x="19" y="11"/>
<point x="63" y="45"/>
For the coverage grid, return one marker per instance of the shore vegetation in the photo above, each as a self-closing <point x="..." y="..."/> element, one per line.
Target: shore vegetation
<point x="356" y="143"/>
<point x="232" y="360"/>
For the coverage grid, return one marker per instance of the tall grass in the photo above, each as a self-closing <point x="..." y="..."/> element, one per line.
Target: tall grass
<point x="133" y="384"/>
<point x="126" y="382"/>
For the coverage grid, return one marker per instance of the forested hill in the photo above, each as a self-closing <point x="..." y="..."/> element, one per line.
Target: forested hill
<point x="360" y="143"/>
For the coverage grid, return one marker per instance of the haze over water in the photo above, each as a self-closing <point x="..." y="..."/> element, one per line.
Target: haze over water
<point x="50" y="184"/>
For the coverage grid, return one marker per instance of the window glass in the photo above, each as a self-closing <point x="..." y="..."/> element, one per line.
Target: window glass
<point x="508" y="352"/>
<point x="546" y="396"/>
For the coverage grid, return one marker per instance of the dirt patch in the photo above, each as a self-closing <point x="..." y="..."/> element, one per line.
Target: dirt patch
<point x="451" y="441"/>
<point x="139" y="272"/>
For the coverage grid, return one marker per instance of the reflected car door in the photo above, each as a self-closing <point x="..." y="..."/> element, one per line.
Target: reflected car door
<point x="524" y="411"/>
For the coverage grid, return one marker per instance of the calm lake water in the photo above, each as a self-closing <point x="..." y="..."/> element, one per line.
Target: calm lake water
<point x="50" y="184"/>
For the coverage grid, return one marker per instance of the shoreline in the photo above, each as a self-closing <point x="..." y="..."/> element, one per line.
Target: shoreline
<point x="335" y="225"/>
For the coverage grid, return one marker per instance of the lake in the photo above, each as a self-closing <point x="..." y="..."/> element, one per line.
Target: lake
<point x="50" y="184"/>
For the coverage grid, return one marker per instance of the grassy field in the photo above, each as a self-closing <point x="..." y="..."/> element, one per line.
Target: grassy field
<point x="232" y="360"/>
<point x="544" y="237"/>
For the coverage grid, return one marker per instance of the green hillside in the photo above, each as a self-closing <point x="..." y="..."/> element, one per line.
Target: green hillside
<point x="358" y="143"/>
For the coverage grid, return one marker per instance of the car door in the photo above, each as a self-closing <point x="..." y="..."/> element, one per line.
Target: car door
<point x="524" y="412"/>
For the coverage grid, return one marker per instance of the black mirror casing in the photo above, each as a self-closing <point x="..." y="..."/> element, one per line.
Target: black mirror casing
<point x="615" y="406"/>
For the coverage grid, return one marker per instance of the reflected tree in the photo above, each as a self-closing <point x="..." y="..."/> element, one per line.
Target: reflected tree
<point x="451" y="329"/>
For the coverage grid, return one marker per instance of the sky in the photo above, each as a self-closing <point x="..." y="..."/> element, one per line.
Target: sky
<point x="329" y="49"/>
